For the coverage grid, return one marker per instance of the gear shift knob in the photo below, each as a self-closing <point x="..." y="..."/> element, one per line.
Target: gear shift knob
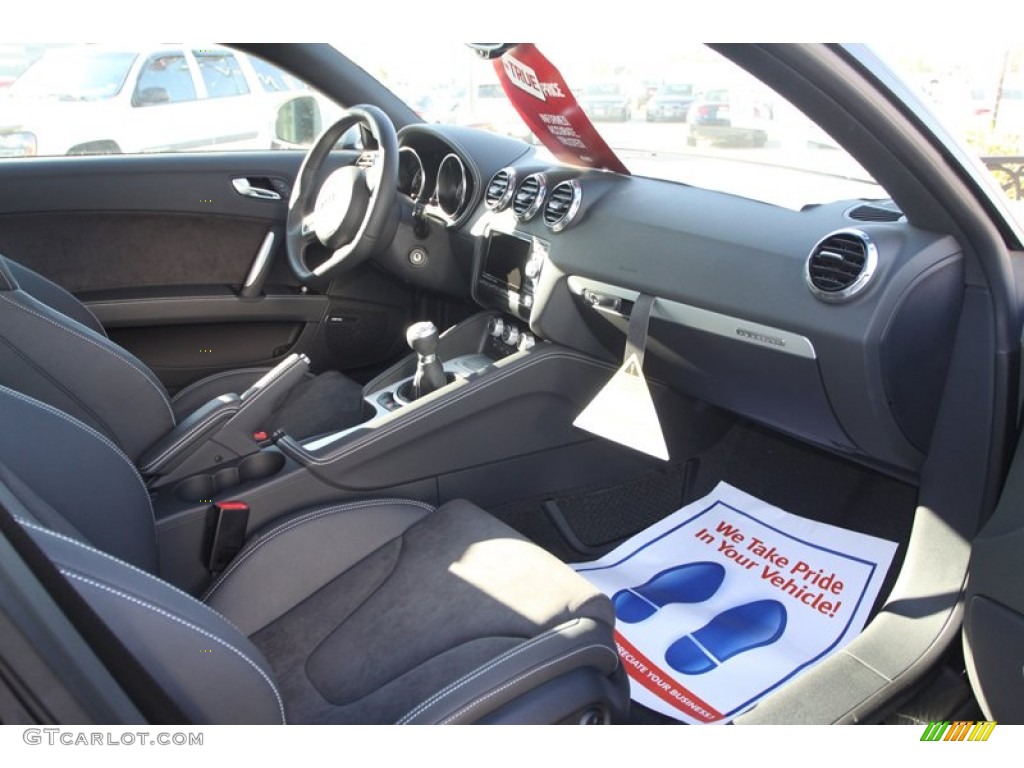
<point x="422" y="338"/>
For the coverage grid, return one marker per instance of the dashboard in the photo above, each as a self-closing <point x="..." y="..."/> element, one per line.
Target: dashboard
<point x="833" y="324"/>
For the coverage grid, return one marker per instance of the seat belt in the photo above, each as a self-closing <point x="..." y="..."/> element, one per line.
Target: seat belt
<point x="145" y="693"/>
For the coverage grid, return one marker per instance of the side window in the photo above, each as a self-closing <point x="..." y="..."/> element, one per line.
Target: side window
<point x="164" y="79"/>
<point x="274" y="80"/>
<point x="117" y="99"/>
<point x="221" y="74"/>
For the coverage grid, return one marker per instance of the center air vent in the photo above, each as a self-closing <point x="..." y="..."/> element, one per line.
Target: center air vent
<point x="841" y="265"/>
<point x="563" y="204"/>
<point x="500" y="189"/>
<point x="529" y="197"/>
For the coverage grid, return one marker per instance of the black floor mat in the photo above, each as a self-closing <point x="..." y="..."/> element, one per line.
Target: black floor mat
<point x="606" y="515"/>
<point x="598" y="517"/>
<point x="809" y="483"/>
<point x="781" y="471"/>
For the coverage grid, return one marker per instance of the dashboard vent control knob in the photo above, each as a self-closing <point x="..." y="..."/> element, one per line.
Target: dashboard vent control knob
<point x="511" y="335"/>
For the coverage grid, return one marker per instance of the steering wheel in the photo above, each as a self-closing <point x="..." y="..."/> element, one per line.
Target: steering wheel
<point x="352" y="212"/>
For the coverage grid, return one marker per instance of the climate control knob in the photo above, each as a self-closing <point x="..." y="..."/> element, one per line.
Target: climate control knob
<point x="526" y="341"/>
<point x="510" y="335"/>
<point x="497" y="329"/>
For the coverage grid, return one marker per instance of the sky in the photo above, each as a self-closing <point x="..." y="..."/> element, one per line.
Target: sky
<point x="905" y="22"/>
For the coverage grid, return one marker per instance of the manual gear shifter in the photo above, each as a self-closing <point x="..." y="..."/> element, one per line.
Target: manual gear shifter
<point x="422" y="338"/>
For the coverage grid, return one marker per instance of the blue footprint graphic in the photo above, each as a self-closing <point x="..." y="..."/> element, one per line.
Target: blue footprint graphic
<point x="730" y="633"/>
<point x="690" y="583"/>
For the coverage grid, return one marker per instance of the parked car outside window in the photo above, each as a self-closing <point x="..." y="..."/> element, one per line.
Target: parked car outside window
<point x="90" y="99"/>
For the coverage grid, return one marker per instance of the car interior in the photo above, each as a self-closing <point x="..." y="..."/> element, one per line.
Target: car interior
<point x="326" y="429"/>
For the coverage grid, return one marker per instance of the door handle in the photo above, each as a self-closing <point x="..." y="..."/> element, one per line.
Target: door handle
<point x="245" y="188"/>
<point x="253" y="285"/>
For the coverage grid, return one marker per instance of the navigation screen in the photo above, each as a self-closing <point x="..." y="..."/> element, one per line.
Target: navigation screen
<point x="506" y="260"/>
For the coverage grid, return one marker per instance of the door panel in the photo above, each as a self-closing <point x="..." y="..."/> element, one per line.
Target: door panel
<point x="180" y="354"/>
<point x="160" y="246"/>
<point x="90" y="252"/>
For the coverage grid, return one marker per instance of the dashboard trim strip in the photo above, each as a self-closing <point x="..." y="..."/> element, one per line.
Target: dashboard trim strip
<point x="735" y="328"/>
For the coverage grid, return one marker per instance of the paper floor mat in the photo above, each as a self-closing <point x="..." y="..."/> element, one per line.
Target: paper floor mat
<point x="729" y="598"/>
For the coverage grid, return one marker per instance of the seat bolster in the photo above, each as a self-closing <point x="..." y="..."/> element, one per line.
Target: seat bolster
<point x="578" y="643"/>
<point x="51" y="357"/>
<point x="81" y="474"/>
<point x="209" y="668"/>
<point x="49" y="293"/>
<point x="299" y="554"/>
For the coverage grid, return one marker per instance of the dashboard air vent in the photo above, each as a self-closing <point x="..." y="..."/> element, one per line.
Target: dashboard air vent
<point x="529" y="197"/>
<point x="875" y="212"/>
<point x="563" y="204"/>
<point x="500" y="189"/>
<point x="841" y="265"/>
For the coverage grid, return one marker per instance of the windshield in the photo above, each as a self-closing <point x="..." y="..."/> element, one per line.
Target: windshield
<point x="736" y="147"/>
<point x="74" y="75"/>
<point x="602" y="89"/>
<point x="675" y="90"/>
<point x="730" y="133"/>
<point x="490" y="91"/>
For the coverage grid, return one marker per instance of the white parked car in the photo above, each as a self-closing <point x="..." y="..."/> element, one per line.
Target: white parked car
<point x="103" y="100"/>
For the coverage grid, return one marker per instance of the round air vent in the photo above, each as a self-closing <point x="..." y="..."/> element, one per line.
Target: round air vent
<point x="500" y="189"/>
<point x="529" y="196"/>
<point x="841" y="265"/>
<point x="563" y="204"/>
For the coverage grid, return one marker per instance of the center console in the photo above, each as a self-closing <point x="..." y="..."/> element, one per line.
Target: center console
<point x="496" y="426"/>
<point x="393" y="396"/>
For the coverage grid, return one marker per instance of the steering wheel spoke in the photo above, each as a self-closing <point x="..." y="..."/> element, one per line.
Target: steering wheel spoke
<point x="307" y="230"/>
<point x="351" y="210"/>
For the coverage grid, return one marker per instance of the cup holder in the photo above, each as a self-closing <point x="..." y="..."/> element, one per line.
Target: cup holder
<point x="258" y="466"/>
<point x="369" y="412"/>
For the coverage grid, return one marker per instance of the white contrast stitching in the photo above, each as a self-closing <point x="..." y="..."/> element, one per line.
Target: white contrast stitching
<point x="136" y="569"/>
<point x="101" y="437"/>
<point x="308" y="517"/>
<point x="187" y="624"/>
<point x="108" y="350"/>
<point x="523" y="676"/>
<point x="468" y="678"/>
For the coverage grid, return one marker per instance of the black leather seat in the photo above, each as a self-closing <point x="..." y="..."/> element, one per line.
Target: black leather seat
<point x="54" y="349"/>
<point x="375" y="611"/>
